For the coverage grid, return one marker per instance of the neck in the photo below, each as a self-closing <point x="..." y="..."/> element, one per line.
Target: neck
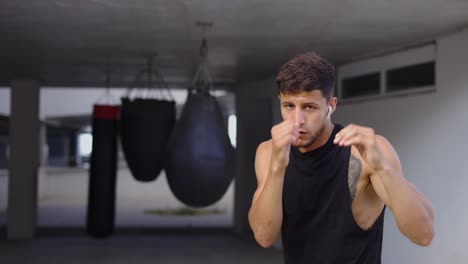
<point x="321" y="139"/>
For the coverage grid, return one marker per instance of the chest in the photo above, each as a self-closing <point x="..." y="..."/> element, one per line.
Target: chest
<point x="313" y="184"/>
<point x="331" y="181"/>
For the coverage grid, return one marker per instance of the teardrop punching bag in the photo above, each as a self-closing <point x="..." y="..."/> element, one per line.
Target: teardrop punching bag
<point x="200" y="163"/>
<point x="102" y="172"/>
<point x="145" y="127"/>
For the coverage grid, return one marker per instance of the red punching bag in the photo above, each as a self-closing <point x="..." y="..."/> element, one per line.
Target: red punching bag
<point x="102" y="172"/>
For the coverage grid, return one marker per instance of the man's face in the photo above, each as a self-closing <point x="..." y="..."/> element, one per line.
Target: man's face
<point x="308" y="111"/>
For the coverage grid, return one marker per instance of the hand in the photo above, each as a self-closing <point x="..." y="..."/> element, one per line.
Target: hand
<point x="365" y="140"/>
<point x="283" y="136"/>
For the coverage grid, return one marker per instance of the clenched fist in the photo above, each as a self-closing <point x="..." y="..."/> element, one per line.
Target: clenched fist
<point x="283" y="136"/>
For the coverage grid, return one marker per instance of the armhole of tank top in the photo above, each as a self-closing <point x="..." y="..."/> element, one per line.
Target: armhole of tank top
<point x="350" y="198"/>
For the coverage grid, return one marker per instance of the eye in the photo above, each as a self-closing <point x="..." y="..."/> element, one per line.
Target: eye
<point x="288" y="106"/>
<point x="309" y="107"/>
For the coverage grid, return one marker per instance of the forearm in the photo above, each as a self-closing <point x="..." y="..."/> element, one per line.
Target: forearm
<point x="266" y="213"/>
<point x="412" y="211"/>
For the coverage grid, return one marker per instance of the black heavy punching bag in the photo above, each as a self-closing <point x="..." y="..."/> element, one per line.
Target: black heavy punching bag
<point x="145" y="127"/>
<point x="102" y="173"/>
<point x="200" y="162"/>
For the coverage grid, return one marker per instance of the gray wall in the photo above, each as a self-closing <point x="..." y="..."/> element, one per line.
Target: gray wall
<point x="429" y="133"/>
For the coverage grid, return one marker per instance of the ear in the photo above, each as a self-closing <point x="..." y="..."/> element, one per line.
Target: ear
<point x="330" y="109"/>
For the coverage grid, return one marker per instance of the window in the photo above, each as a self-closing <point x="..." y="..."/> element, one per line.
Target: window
<point x="411" y="77"/>
<point x="363" y="85"/>
<point x="405" y="72"/>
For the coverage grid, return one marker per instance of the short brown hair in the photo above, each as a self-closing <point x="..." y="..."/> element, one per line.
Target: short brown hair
<point x="306" y="72"/>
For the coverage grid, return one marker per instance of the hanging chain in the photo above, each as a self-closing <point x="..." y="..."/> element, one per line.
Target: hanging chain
<point x="204" y="49"/>
<point x="202" y="80"/>
<point x="150" y="72"/>
<point x="107" y="97"/>
<point x="108" y="75"/>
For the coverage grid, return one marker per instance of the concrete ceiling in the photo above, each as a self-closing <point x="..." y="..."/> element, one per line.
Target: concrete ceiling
<point x="67" y="43"/>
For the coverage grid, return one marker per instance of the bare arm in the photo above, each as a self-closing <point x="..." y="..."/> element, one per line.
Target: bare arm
<point x="271" y="160"/>
<point x="412" y="210"/>
<point x="266" y="213"/>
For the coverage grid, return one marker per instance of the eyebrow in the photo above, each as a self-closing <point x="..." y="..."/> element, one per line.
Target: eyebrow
<point x="305" y="103"/>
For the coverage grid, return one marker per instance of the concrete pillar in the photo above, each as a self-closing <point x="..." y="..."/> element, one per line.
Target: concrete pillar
<point x="73" y="148"/>
<point x="43" y="162"/>
<point x="24" y="159"/>
<point x="254" y="122"/>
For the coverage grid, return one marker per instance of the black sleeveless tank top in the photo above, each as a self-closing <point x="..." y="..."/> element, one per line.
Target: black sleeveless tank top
<point x="318" y="225"/>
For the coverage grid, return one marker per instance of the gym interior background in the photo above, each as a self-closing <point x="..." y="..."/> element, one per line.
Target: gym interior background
<point x="401" y="69"/>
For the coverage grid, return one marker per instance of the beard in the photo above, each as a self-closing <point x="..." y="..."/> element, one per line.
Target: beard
<point x="313" y="137"/>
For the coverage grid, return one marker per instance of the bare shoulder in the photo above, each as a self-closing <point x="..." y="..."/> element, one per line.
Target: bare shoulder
<point x="389" y="152"/>
<point x="386" y="149"/>
<point x="262" y="164"/>
<point x="265" y="146"/>
<point x="262" y="157"/>
<point x="360" y="173"/>
<point x="383" y="142"/>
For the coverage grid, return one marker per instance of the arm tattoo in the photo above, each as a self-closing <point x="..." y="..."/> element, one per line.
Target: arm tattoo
<point x="354" y="171"/>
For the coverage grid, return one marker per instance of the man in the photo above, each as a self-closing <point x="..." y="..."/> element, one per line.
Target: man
<point x="325" y="187"/>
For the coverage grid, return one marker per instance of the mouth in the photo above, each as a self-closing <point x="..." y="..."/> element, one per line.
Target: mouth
<point x="301" y="134"/>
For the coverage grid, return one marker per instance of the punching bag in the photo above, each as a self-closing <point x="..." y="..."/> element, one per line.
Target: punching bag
<point x="102" y="172"/>
<point x="145" y="127"/>
<point x="200" y="163"/>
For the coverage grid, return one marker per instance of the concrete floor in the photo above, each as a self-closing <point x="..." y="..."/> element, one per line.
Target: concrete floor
<point x="171" y="249"/>
<point x="63" y="201"/>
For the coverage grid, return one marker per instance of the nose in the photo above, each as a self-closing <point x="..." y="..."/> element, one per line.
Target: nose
<point x="299" y="118"/>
